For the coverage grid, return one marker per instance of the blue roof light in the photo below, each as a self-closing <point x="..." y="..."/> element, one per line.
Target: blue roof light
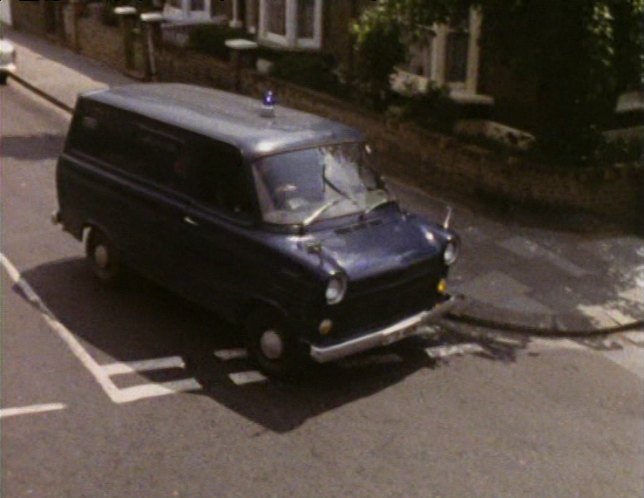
<point x="269" y="101"/>
<point x="269" y="98"/>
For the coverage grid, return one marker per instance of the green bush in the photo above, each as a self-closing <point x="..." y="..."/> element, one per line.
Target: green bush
<point x="378" y="48"/>
<point x="309" y="70"/>
<point x="433" y="109"/>
<point x="211" y="39"/>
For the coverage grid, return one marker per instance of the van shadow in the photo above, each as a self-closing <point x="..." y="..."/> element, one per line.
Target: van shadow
<point x="32" y="147"/>
<point x="144" y="322"/>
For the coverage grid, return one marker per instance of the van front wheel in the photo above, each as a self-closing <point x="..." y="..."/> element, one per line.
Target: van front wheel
<point x="103" y="259"/>
<point x="272" y="348"/>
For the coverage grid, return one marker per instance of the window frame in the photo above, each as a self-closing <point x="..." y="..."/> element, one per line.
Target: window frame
<point x="185" y="12"/>
<point x="290" y="38"/>
<point x="438" y="55"/>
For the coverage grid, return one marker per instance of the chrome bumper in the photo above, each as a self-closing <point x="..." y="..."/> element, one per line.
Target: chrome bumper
<point x="383" y="337"/>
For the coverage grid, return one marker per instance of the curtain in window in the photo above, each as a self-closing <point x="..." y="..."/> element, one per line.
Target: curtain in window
<point x="276" y="15"/>
<point x="456" y="51"/>
<point x="306" y="18"/>
<point x="420" y="56"/>
<point x="197" y="5"/>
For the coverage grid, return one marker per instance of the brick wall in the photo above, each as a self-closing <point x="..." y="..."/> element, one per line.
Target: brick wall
<point x="101" y="42"/>
<point x="35" y="17"/>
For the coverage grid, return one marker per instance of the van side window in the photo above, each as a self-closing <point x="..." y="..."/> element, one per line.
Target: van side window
<point x="125" y="142"/>
<point x="216" y="179"/>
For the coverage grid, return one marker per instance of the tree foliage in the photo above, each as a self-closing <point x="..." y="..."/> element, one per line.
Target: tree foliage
<point x="580" y="54"/>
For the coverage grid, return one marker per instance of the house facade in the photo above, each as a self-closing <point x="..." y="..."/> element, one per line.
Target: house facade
<point x="449" y="55"/>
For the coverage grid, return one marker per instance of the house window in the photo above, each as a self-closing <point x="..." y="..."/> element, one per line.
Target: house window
<point x="187" y="9"/>
<point x="448" y="55"/>
<point x="291" y="23"/>
<point x="276" y="18"/>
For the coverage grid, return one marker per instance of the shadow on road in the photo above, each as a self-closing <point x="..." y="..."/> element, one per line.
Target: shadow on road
<point x="144" y="322"/>
<point x="32" y="147"/>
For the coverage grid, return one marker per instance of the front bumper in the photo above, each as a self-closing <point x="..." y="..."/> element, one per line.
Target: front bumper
<point x="7" y="68"/>
<point x="383" y="337"/>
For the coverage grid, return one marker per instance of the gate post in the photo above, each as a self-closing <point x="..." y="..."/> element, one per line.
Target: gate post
<point x="127" y="19"/>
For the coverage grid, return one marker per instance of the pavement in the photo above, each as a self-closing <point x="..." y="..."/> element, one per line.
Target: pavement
<point x="521" y="271"/>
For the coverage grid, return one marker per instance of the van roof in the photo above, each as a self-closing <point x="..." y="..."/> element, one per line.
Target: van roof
<point x="226" y="117"/>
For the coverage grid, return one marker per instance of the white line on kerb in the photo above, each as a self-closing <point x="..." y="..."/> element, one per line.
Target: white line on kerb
<point x="99" y="373"/>
<point x="27" y="410"/>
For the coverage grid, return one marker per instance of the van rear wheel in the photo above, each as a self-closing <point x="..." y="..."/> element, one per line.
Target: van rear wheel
<point x="272" y="348"/>
<point x="103" y="259"/>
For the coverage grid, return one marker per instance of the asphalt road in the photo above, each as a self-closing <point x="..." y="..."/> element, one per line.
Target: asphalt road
<point x="511" y="419"/>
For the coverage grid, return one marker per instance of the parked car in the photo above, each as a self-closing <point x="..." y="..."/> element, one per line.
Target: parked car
<point x="7" y="58"/>
<point x="272" y="217"/>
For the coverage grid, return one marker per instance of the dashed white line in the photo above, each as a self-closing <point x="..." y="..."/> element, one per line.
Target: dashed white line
<point x="243" y="378"/>
<point x="102" y="374"/>
<point x="231" y="354"/>
<point x="28" y="410"/>
<point x="121" y="368"/>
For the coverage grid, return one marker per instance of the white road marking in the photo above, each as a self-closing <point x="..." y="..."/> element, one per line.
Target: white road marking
<point x="121" y="368"/>
<point x="242" y="378"/>
<point x="231" y="354"/>
<point x="453" y="350"/>
<point x="100" y="374"/>
<point x="27" y="410"/>
<point x="143" y="391"/>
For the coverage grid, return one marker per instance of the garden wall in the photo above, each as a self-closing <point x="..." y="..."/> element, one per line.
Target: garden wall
<point x="409" y="152"/>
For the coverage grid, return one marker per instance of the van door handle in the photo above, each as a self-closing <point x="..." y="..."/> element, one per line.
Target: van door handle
<point x="190" y="221"/>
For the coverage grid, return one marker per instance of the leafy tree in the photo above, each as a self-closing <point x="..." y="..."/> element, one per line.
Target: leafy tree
<point x="580" y="53"/>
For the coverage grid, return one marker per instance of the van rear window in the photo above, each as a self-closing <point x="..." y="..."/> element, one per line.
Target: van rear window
<point x="125" y="142"/>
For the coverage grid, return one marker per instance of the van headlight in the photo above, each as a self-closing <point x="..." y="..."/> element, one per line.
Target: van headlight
<point x="450" y="255"/>
<point x="336" y="288"/>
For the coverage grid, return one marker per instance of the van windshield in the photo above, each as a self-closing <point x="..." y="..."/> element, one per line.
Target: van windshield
<point x="308" y="185"/>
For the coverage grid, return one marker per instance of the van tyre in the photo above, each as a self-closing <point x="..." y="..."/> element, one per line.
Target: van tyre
<point x="3" y="78"/>
<point x="272" y="348"/>
<point x="103" y="259"/>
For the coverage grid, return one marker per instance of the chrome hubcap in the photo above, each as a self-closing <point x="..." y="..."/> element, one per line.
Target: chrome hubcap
<point x="101" y="256"/>
<point x="272" y="345"/>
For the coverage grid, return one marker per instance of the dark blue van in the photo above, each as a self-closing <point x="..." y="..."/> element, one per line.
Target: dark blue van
<point x="272" y="217"/>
